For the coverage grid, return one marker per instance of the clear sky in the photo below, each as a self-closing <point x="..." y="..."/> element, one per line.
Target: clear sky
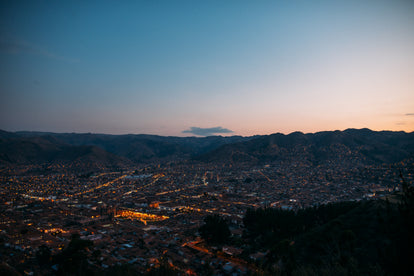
<point x="184" y="67"/>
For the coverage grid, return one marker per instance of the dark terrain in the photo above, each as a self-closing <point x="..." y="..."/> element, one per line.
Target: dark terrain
<point x="363" y="147"/>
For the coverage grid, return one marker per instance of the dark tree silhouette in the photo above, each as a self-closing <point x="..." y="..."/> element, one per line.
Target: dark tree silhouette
<point x="74" y="258"/>
<point x="43" y="255"/>
<point x="215" y="230"/>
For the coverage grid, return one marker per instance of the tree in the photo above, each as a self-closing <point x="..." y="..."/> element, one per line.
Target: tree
<point x="43" y="255"/>
<point x="74" y="258"/>
<point x="215" y="230"/>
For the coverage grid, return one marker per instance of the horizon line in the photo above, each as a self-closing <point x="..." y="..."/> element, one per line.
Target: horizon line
<point x="199" y="136"/>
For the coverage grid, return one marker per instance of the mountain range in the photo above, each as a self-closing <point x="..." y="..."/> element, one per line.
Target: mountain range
<point x="359" y="146"/>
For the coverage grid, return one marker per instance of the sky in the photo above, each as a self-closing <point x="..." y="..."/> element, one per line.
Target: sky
<point x="184" y="68"/>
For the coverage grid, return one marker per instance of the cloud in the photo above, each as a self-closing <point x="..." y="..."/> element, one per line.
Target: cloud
<point x="409" y="114"/>
<point x="15" y="46"/>
<point x="207" y="131"/>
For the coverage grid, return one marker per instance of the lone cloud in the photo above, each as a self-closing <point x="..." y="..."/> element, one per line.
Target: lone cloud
<point x="207" y="131"/>
<point x="15" y="46"/>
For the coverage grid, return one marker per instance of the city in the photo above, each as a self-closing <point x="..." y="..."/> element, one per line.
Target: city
<point x="139" y="215"/>
<point x="208" y="137"/>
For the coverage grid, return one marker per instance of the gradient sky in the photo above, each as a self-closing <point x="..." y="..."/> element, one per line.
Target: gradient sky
<point x="164" y="67"/>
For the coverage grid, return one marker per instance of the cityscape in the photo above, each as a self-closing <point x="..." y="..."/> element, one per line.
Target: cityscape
<point x="208" y="137"/>
<point x="142" y="214"/>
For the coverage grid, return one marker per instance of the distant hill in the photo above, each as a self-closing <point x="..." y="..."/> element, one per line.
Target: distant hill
<point x="361" y="146"/>
<point x="20" y="147"/>
<point x="47" y="149"/>
<point x="352" y="146"/>
<point x="6" y="134"/>
<point x="145" y="148"/>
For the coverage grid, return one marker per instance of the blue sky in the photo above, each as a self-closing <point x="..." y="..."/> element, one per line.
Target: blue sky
<point x="165" y="67"/>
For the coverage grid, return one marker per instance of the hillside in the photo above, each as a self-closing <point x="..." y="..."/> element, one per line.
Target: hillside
<point x="47" y="149"/>
<point x="352" y="146"/>
<point x="143" y="148"/>
<point x="347" y="238"/>
<point x="358" y="146"/>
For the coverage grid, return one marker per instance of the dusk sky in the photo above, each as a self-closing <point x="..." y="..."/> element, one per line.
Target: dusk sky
<point x="206" y="67"/>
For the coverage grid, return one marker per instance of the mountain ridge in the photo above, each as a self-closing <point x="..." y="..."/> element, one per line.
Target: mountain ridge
<point x="361" y="146"/>
<point x="365" y="146"/>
